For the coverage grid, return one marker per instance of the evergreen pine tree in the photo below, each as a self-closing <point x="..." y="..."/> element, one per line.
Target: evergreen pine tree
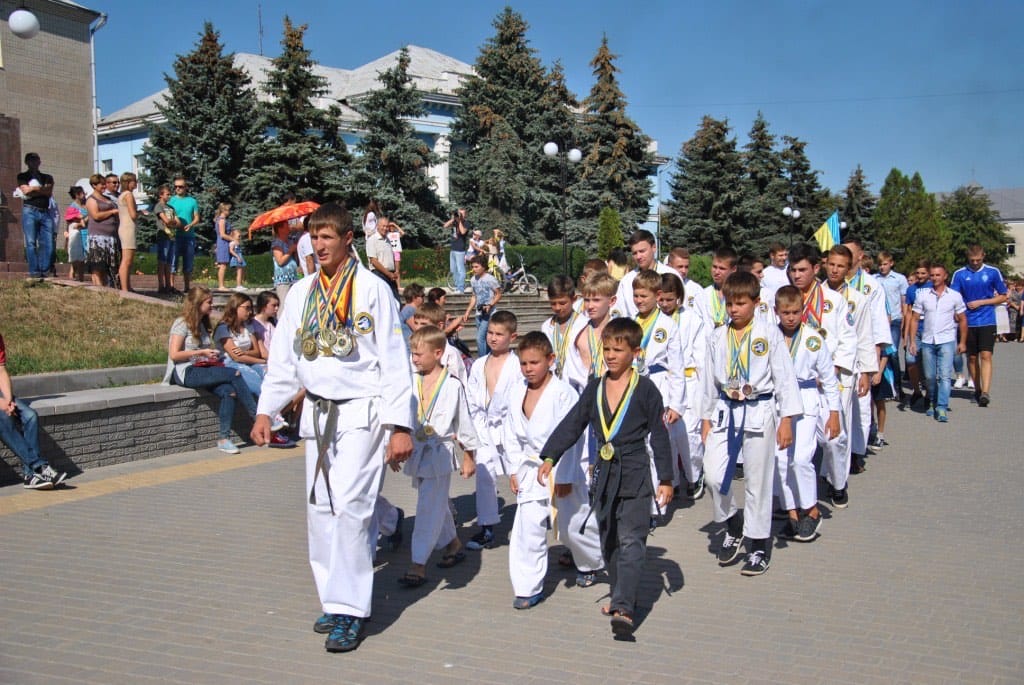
<point x="609" y="232"/>
<point x="616" y="161"/>
<point x="812" y="201"/>
<point x="857" y="210"/>
<point x="907" y="222"/>
<point x="499" y="102"/>
<point x="706" y="190"/>
<point x="207" y="132"/>
<point x="303" y="151"/>
<point x="970" y="219"/>
<point x="766" y="189"/>
<point x="393" y="162"/>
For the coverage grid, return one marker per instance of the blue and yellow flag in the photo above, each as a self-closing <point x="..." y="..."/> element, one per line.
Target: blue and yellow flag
<point x="828" y="234"/>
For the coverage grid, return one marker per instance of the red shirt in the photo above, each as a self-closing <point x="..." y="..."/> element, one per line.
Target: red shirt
<point x="3" y="352"/>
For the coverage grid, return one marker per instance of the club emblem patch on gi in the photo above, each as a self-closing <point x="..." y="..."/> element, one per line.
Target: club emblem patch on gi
<point x="763" y="307"/>
<point x="813" y="344"/>
<point x="689" y="301"/>
<point x="867" y="289"/>
<point x="853" y="307"/>
<point x="849" y="318"/>
<point x="615" y="313"/>
<point x="759" y="347"/>
<point x="364" y="323"/>
<point x="827" y="307"/>
<point x="660" y="335"/>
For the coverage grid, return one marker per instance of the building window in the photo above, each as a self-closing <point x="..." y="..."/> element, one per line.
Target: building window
<point x="107" y="166"/>
<point x="138" y="168"/>
<point x="1011" y="249"/>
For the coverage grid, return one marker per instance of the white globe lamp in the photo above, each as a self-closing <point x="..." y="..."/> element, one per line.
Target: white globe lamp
<point x="796" y="213"/>
<point x="787" y="211"/>
<point x="575" y="155"/>
<point x="23" y="24"/>
<point x="550" y="149"/>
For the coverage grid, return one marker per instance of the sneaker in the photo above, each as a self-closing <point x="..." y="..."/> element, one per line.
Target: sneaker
<point x="738" y="473"/>
<point x="51" y="474"/>
<point x="940" y="416"/>
<point x="879" y="442"/>
<point x="482" y="540"/>
<point x="730" y="549"/>
<point x="326" y="623"/>
<point x="696" y="490"/>
<point x="915" y="398"/>
<point x="240" y="289"/>
<point x="394" y="541"/>
<point x="36" y="481"/>
<point x="930" y="411"/>
<point x="839" y="498"/>
<point x="983" y="399"/>
<point x="346" y="634"/>
<point x="857" y="465"/>
<point x="226" y="445"/>
<point x="789" y="530"/>
<point x="959" y="382"/>
<point x="807" y="528"/>
<point x="278" y="424"/>
<point x="756" y="564"/>
<point x="970" y="384"/>
<point x="280" y="441"/>
<point x="528" y="602"/>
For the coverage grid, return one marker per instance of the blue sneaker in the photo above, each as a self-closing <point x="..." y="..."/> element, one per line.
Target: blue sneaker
<point x="326" y="623"/>
<point x="940" y="415"/>
<point x="528" y="602"/>
<point x="482" y="540"/>
<point x="930" y="411"/>
<point x="346" y="635"/>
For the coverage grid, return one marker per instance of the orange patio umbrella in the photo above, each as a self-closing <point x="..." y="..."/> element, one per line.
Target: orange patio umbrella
<point x="295" y="210"/>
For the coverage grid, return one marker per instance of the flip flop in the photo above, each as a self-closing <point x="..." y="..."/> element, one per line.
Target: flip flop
<point x="622" y="623"/>
<point x="449" y="560"/>
<point x="412" y="580"/>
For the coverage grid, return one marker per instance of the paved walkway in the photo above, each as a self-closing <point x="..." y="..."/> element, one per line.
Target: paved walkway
<point x="192" y="569"/>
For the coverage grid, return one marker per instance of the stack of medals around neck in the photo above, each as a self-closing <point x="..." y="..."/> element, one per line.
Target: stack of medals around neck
<point x="326" y="320"/>
<point x="738" y="391"/>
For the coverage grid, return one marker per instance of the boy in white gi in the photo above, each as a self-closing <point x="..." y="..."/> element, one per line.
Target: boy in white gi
<point x="536" y="405"/>
<point x="750" y="373"/>
<point x="696" y="298"/>
<point x="442" y="418"/>
<point x="490" y="381"/>
<point x="695" y="346"/>
<point x="624" y="409"/>
<point x="796" y="483"/>
<point x="432" y="314"/>
<point x="598" y="299"/>
<point x="661" y="360"/>
<point x="565" y="324"/>
<point x="827" y="312"/>
<point x="340" y="338"/>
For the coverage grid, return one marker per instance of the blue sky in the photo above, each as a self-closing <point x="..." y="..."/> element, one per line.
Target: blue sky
<point x="935" y="87"/>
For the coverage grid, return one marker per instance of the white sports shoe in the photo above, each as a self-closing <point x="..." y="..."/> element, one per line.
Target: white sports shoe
<point x="959" y="382"/>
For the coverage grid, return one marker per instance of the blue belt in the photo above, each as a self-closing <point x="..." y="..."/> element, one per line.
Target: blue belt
<point x="656" y="368"/>
<point x="748" y="400"/>
<point x="734" y="437"/>
<point x="809" y="383"/>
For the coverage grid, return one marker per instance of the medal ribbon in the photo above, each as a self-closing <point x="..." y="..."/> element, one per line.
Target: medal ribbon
<point x="718" y="313"/>
<point x="814" y="306"/>
<point x="596" y="353"/>
<point x="611" y="431"/>
<point x="647" y="326"/>
<point x="739" y="352"/>
<point x="857" y="282"/>
<point x="426" y="409"/>
<point x="330" y="300"/>
<point x="794" y="342"/>
<point x="562" y="340"/>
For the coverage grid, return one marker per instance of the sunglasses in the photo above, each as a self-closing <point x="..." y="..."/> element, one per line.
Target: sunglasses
<point x="180" y="187"/>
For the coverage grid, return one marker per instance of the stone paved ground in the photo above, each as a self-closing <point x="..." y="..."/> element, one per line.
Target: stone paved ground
<point x="191" y="569"/>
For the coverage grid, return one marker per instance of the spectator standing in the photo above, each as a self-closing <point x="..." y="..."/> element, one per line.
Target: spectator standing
<point x="36" y="188"/>
<point x="943" y="311"/>
<point x="304" y="251"/>
<point x="370" y="217"/>
<point x="460" y="228"/>
<point x="187" y="210"/>
<point x="381" y="257"/>
<point x="982" y="288"/>
<point x="104" y="253"/>
<point x="775" y="275"/>
<point x="127" y="213"/>
<point x="76" y="233"/>
<point x="167" y="224"/>
<point x="486" y="295"/>
<point x="286" y="264"/>
<point x="222" y="252"/>
<point x="237" y="258"/>
<point x="19" y="430"/>
<point x="395" y="235"/>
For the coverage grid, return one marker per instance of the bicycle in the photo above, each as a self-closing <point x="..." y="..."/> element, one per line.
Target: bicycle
<point x="450" y="282"/>
<point x="521" y="281"/>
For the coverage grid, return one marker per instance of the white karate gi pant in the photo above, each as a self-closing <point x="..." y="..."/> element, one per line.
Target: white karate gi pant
<point x="861" y="421"/>
<point x="796" y="483"/>
<point x="434" y="527"/>
<point x="528" y="547"/>
<point x="488" y="465"/>
<point x="573" y="510"/>
<point x="385" y="516"/>
<point x="758" y="455"/>
<point x="835" y="462"/>
<point x="340" y="543"/>
<point x="693" y="466"/>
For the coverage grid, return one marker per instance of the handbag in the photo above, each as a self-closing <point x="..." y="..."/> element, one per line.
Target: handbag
<point x="208" y="361"/>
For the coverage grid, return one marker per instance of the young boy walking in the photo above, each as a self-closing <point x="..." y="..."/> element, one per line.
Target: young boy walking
<point x="750" y="372"/>
<point x="536" y="405"/>
<point x="624" y="409"/>
<point x="565" y="324"/>
<point x="490" y="382"/>
<point x="442" y="418"/>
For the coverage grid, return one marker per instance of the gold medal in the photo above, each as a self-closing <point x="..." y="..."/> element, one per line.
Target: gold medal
<point x="558" y="369"/>
<point x="429" y="430"/>
<point x="607" y="451"/>
<point x="327" y="337"/>
<point x="309" y="348"/>
<point x="421" y="434"/>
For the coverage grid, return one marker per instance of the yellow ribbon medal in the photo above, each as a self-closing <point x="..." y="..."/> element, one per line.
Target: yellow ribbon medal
<point x="648" y="328"/>
<point x="607" y="450"/>
<point x="596" y="346"/>
<point x="426" y="408"/>
<point x="718" y="313"/>
<point x="562" y="343"/>
<point x="739" y="362"/>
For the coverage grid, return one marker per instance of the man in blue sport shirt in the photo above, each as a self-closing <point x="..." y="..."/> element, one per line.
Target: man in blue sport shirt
<point x="983" y="288"/>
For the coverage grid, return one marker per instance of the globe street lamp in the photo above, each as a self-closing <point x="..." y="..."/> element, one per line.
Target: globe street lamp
<point x="793" y="213"/>
<point x="572" y="155"/>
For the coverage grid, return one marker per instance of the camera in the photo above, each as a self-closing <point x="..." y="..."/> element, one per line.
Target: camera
<point x="455" y="215"/>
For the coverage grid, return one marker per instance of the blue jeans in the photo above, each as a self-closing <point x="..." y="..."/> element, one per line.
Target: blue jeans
<point x="23" y="440"/>
<point x="937" y="362"/>
<point x="165" y="251"/>
<point x="481" y="336"/>
<point x="227" y="384"/>
<point x="37" y="226"/>
<point x="185" y="247"/>
<point x="895" y="327"/>
<point x="457" y="268"/>
<point x="252" y="374"/>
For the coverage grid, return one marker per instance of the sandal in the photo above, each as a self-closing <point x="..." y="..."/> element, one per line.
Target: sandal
<point x="622" y="623"/>
<point x="449" y="560"/>
<point x="412" y="580"/>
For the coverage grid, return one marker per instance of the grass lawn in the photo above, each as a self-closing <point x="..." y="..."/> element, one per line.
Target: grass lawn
<point x="52" y="328"/>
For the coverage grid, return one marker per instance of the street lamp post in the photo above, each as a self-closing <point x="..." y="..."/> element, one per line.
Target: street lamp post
<point x="793" y="213"/>
<point x="572" y="155"/>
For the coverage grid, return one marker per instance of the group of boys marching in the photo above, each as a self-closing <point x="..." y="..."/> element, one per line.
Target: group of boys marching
<point x="633" y="391"/>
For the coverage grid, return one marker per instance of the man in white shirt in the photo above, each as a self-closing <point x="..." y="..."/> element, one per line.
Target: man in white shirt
<point x="381" y="257"/>
<point x="304" y="251"/>
<point x="774" y="275"/>
<point x="944" y="311"/>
